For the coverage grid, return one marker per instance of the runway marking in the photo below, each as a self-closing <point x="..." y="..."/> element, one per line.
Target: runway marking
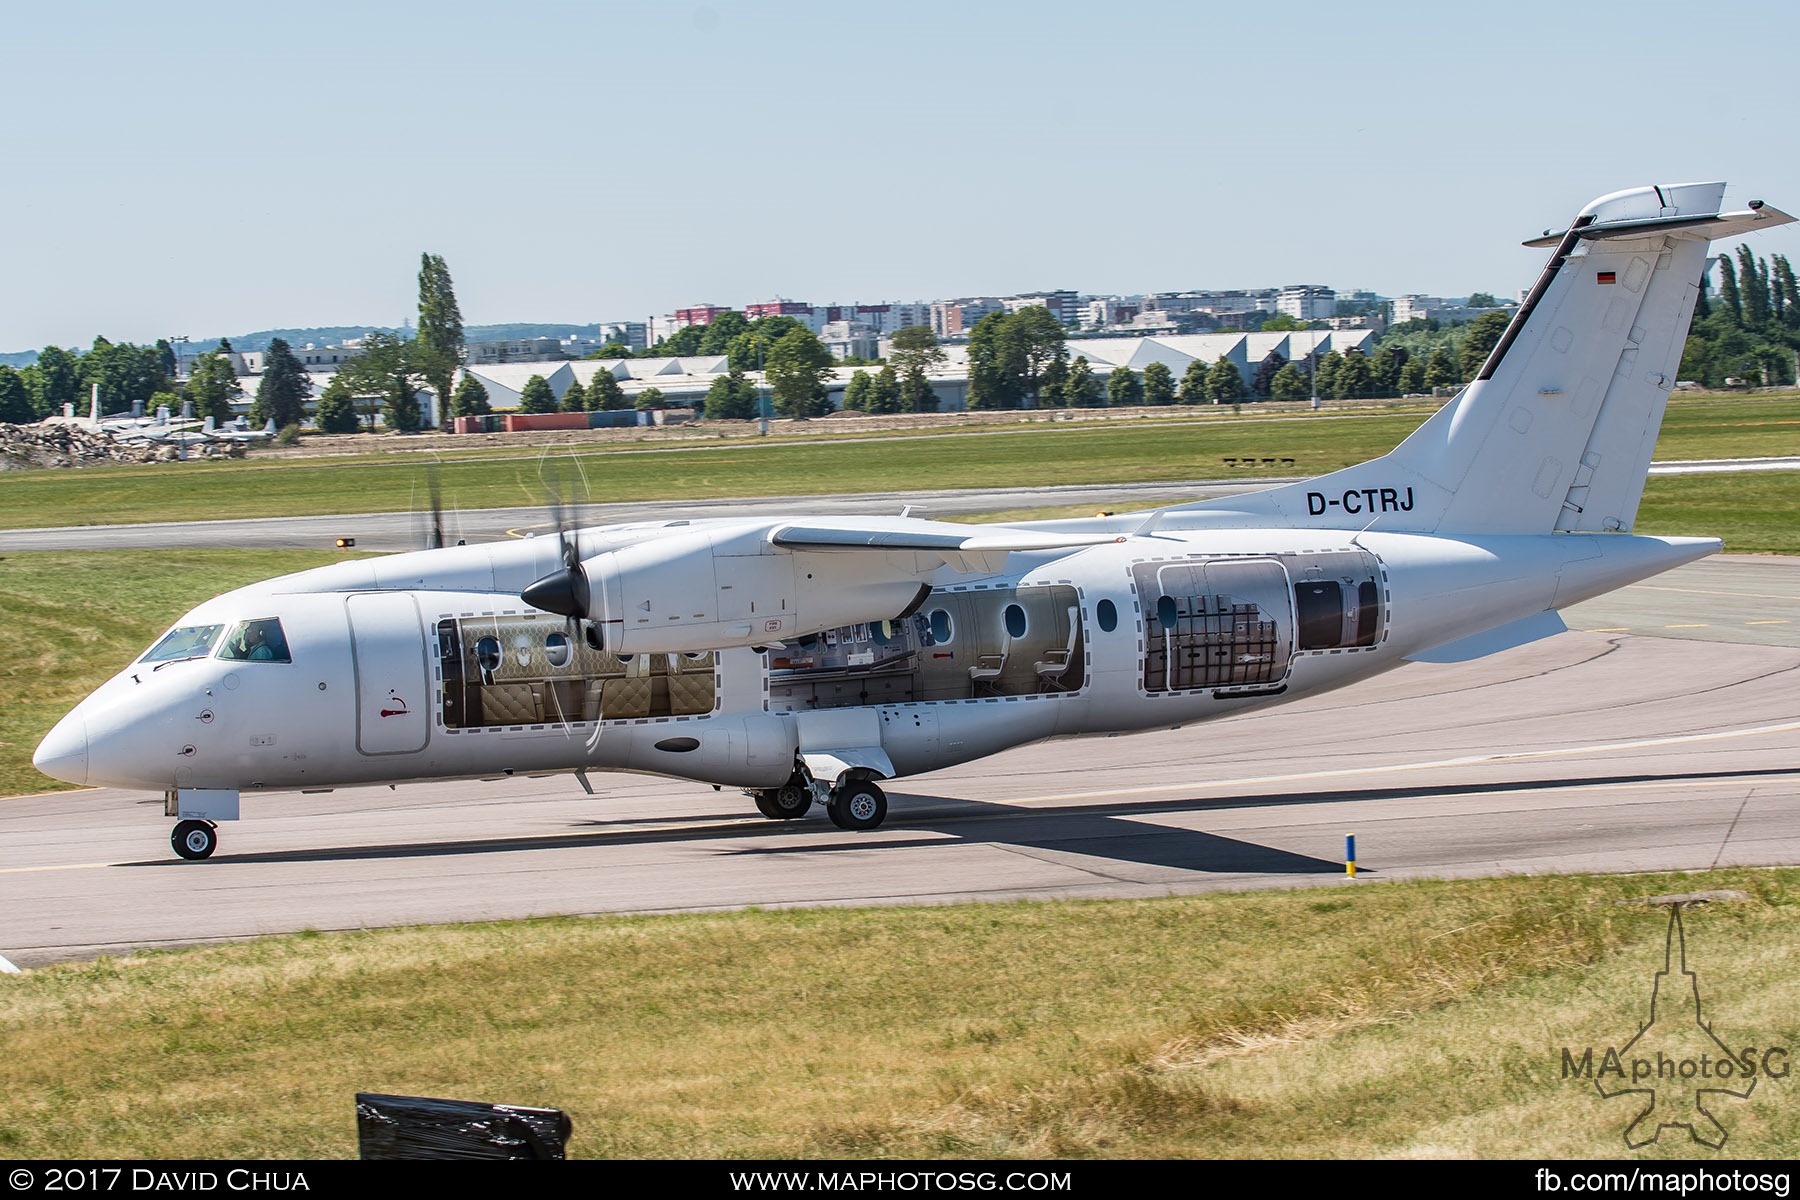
<point x="1618" y="629"/>
<point x="1435" y="764"/>
<point x="1700" y="625"/>
<point x="57" y="867"/>
<point x="1657" y="587"/>
<point x="1783" y="621"/>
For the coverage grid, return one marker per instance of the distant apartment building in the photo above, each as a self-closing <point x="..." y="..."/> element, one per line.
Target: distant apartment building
<point x="699" y="314"/>
<point x="955" y="318"/>
<point x="1307" y="302"/>
<point x="635" y="334"/>
<point x="510" y="350"/>
<point x="1065" y="306"/>
<point x="850" y="339"/>
<point x="1445" y="311"/>
<point x="1105" y="312"/>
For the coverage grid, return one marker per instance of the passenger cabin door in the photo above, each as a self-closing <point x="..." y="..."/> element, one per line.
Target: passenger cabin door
<point x="393" y="709"/>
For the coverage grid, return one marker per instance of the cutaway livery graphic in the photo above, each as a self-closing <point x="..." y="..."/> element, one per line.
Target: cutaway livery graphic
<point x="810" y="659"/>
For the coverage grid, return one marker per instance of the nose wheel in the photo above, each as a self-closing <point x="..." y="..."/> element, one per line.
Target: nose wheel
<point x="195" y="839"/>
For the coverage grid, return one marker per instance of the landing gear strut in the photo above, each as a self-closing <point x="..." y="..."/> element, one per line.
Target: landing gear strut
<point x="195" y="839"/>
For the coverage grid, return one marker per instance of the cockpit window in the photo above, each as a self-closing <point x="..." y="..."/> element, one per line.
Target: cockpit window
<point x="189" y="641"/>
<point x="260" y="640"/>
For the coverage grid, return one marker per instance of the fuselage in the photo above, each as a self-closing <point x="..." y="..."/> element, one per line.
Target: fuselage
<point x="429" y="666"/>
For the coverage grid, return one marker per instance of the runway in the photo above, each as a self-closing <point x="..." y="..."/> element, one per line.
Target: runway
<point x="1641" y="748"/>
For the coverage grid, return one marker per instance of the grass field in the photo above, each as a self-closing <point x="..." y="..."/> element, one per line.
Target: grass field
<point x="1417" y="1019"/>
<point x="1039" y="454"/>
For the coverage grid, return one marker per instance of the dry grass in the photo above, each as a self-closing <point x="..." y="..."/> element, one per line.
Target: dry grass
<point x="1386" y="1019"/>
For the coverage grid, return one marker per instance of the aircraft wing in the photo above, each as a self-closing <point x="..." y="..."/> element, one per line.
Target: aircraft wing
<point x="966" y="547"/>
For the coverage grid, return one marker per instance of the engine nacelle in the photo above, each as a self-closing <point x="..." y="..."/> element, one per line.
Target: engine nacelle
<point x="708" y="590"/>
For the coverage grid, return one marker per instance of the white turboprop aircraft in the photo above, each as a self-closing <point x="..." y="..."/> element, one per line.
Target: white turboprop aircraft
<point x="809" y="658"/>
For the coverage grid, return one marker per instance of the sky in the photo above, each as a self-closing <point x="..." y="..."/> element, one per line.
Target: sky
<point x="200" y="168"/>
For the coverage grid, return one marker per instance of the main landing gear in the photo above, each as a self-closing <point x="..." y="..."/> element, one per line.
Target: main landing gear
<point x="195" y="839"/>
<point x="855" y="804"/>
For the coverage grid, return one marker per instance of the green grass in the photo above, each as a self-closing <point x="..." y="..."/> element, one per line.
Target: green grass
<point x="1756" y="512"/>
<point x="74" y="618"/>
<point x="1419" y="1019"/>
<point x="1180" y="447"/>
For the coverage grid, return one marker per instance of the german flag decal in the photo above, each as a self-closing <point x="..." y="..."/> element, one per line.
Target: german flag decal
<point x="1606" y="277"/>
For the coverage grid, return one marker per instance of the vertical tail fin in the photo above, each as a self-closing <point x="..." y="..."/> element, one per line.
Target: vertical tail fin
<point x="1556" y="431"/>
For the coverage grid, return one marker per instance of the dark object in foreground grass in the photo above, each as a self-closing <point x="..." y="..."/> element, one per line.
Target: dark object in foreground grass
<point x="410" y="1128"/>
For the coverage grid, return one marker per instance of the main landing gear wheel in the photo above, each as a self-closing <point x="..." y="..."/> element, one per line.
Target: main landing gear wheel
<point x="789" y="802"/>
<point x="195" y="839"/>
<point x="857" y="806"/>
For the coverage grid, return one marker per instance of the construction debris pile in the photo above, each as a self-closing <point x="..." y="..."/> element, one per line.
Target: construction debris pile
<point x="60" y="444"/>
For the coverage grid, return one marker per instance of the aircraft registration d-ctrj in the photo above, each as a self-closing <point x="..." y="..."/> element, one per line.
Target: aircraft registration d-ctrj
<point x="809" y="658"/>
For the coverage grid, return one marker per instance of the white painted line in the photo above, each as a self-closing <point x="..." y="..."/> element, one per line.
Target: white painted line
<point x="7" y="968"/>
<point x="1435" y="764"/>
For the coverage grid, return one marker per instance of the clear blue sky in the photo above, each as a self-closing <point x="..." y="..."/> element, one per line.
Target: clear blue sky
<point x="204" y="168"/>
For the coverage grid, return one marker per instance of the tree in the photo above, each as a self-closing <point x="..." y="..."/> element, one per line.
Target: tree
<point x="915" y="353"/>
<point x="1223" y="383"/>
<point x="1482" y="300"/>
<point x="612" y="350"/>
<point x="683" y="343"/>
<point x="1480" y="336"/>
<point x="732" y="397"/>
<point x="1159" y="384"/>
<point x="387" y="371"/>
<point x="1282" y="323"/>
<point x="884" y="392"/>
<point x="797" y="367"/>
<point x="1386" y="367"/>
<point x="165" y="358"/>
<point x="992" y="383"/>
<point x="1042" y="346"/>
<point x="749" y="350"/>
<point x="575" y="398"/>
<point x="1123" y="388"/>
<point x="58" y="378"/>
<point x="1441" y="370"/>
<point x="336" y="410"/>
<point x="604" y="393"/>
<point x="15" y="399"/>
<point x="651" y="400"/>
<point x="1355" y="379"/>
<point x="128" y="375"/>
<point x="438" y="349"/>
<point x="1263" y="381"/>
<point x="212" y="387"/>
<point x="1325" y="374"/>
<point x="721" y="330"/>
<point x="856" y="393"/>
<point x="1193" y="383"/>
<point x="1753" y="285"/>
<point x="281" y="396"/>
<point x="1081" y="389"/>
<point x="470" y="400"/>
<point x="1289" y="383"/>
<point x="537" y="396"/>
<point x="1728" y="292"/>
<point x="1412" y="377"/>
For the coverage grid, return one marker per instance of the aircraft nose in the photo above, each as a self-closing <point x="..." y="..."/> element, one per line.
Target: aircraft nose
<point x="63" y="754"/>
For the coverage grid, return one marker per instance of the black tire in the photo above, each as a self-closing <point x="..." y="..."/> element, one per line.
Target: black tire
<point x="789" y="802"/>
<point x="858" y="806"/>
<point x="195" y="839"/>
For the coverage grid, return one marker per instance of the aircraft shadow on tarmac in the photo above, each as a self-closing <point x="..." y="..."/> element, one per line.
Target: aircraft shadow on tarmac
<point x="1099" y="830"/>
